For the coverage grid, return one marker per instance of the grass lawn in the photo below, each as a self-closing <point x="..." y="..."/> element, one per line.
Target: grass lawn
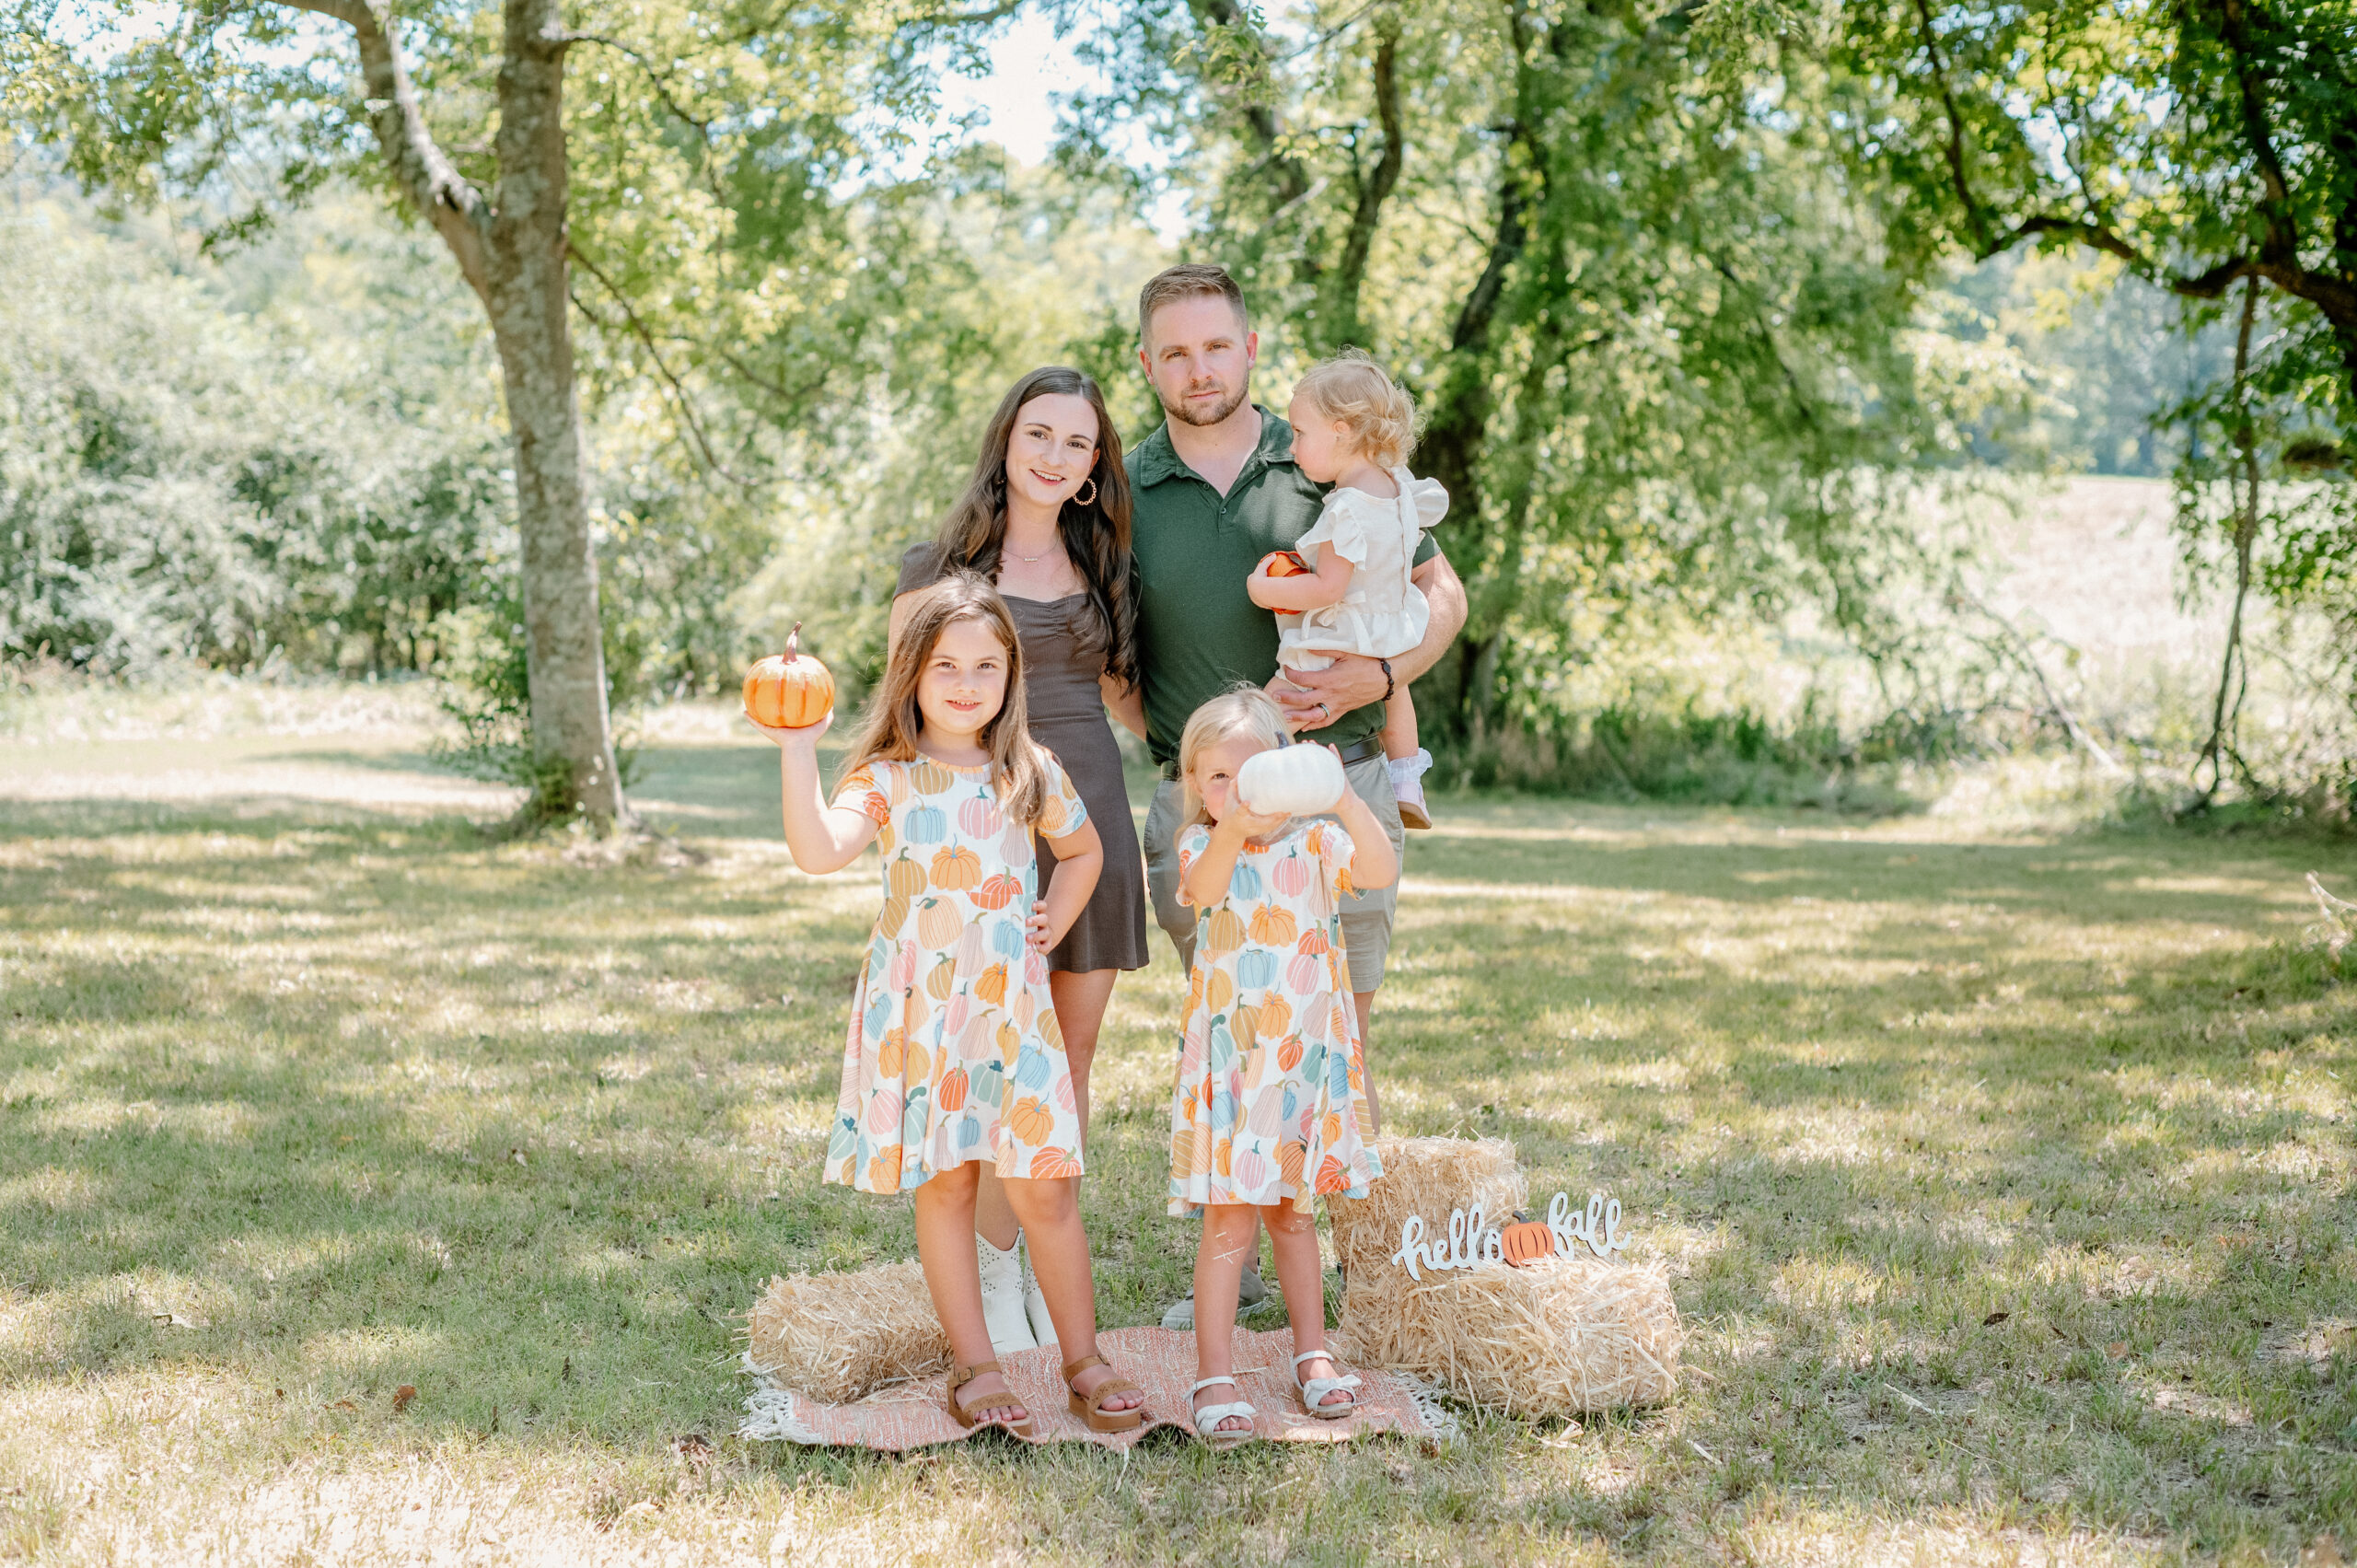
<point x="2006" y="1179"/>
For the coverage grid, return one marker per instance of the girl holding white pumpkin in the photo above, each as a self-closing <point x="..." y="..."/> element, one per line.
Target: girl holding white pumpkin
<point x="953" y="1059"/>
<point x="1267" y="1107"/>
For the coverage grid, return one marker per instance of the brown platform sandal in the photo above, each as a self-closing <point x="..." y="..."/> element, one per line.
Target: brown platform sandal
<point x="1091" y="1409"/>
<point x="963" y="1414"/>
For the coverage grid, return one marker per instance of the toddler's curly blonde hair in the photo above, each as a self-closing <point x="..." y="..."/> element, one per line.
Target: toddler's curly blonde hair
<point x="1353" y="389"/>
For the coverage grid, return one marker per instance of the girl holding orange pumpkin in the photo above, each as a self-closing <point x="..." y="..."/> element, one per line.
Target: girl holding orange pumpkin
<point x="953" y="1059"/>
<point x="1267" y="1108"/>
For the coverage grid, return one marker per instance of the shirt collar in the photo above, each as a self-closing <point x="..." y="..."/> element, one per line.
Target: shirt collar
<point x="1159" y="461"/>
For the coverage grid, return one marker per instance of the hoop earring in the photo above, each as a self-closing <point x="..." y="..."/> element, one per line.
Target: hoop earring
<point x="1088" y="500"/>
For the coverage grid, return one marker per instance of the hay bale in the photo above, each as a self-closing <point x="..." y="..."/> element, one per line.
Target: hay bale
<point x="1560" y="1337"/>
<point x="1428" y="1176"/>
<point x="839" y="1337"/>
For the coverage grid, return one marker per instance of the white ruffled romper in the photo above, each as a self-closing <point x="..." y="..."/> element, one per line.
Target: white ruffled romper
<point x="1383" y="614"/>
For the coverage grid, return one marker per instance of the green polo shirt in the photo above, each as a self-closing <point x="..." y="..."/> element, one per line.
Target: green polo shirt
<point x="1199" y="632"/>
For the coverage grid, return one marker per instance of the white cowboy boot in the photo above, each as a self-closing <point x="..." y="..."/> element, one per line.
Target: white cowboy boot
<point x="1035" y="1306"/>
<point x="1003" y="1297"/>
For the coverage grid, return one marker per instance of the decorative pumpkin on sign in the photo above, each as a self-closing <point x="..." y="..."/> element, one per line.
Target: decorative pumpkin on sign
<point x="789" y="689"/>
<point x="1284" y="563"/>
<point x="1528" y="1242"/>
<point x="1291" y="781"/>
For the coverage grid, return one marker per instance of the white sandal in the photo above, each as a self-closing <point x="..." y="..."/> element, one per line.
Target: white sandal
<point x="1317" y="1389"/>
<point x="1207" y="1419"/>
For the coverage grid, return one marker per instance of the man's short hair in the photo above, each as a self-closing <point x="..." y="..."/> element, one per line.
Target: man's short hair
<point x="1194" y="279"/>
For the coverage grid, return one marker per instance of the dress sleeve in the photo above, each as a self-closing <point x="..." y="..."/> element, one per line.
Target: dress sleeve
<point x="1343" y="525"/>
<point x="860" y="791"/>
<point x="1330" y="843"/>
<point x="1429" y="494"/>
<point x="921" y="565"/>
<point x="1061" y="811"/>
<point x="1193" y="839"/>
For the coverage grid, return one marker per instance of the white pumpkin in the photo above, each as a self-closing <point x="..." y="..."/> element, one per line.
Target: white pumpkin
<point x="1291" y="781"/>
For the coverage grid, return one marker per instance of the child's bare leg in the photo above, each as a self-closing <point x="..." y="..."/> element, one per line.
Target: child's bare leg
<point x="945" y="1246"/>
<point x="1051" y="1215"/>
<point x="1408" y="759"/>
<point x="1231" y="1237"/>
<point x="1292" y="1236"/>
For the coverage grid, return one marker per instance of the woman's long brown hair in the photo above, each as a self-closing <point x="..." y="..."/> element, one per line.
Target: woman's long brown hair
<point x="889" y="732"/>
<point x="1096" y="536"/>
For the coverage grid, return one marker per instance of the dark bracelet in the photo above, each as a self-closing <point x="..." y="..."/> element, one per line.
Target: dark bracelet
<point x="1387" y="677"/>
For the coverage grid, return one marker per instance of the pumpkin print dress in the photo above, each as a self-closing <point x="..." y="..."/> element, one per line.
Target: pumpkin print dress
<point x="953" y="1053"/>
<point x="1271" y="1074"/>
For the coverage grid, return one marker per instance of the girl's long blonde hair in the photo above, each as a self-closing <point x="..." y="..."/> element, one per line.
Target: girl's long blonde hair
<point x="1242" y="709"/>
<point x="889" y="731"/>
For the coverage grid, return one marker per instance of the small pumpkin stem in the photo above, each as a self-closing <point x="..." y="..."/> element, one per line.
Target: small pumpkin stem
<point x="793" y="640"/>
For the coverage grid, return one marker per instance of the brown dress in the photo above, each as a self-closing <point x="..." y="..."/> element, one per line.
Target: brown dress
<point x="1063" y="655"/>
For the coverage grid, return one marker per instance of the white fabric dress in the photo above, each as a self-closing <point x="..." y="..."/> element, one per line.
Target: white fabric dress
<point x="1383" y="614"/>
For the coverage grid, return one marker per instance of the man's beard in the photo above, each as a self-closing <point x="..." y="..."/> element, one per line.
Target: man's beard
<point x="1228" y="405"/>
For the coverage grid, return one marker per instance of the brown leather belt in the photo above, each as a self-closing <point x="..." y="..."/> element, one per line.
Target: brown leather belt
<point x="1357" y="752"/>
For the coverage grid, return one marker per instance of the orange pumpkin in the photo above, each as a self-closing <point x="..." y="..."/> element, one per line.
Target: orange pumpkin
<point x="1275" y="1014"/>
<point x="1284" y="563"/>
<point x="998" y="892"/>
<point x="789" y="690"/>
<point x="884" y="1170"/>
<point x="1223" y="932"/>
<point x="991" y="986"/>
<point x="1053" y="1165"/>
<point x="1528" y="1241"/>
<point x="1313" y="941"/>
<point x="942" y="980"/>
<point x="1272" y="926"/>
<point x="1219" y="991"/>
<point x="1245" y="1023"/>
<point x="1289" y="1056"/>
<point x="951" y="1094"/>
<point x="1290" y="1155"/>
<point x="1031" y="1121"/>
<point x="892" y="1054"/>
<point x="905" y="878"/>
<point x="956" y="868"/>
<point x="937" y="922"/>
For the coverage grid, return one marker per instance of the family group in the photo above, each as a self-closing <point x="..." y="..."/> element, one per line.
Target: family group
<point x="1238" y="583"/>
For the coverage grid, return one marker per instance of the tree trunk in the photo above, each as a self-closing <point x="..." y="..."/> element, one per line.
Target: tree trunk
<point x="525" y="278"/>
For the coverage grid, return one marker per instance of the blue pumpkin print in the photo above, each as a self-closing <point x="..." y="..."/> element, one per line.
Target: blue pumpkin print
<point x="1006" y="936"/>
<point x="879" y="955"/>
<point x="1313" y="1063"/>
<point x="1031" y="1069"/>
<point x="879" y="1016"/>
<point x="843" y="1141"/>
<point x="987" y="1086"/>
<point x="1256" y="968"/>
<point x="1222" y="1110"/>
<point x="1244" y="882"/>
<point x="927" y="825"/>
<point x="969" y="1134"/>
<point x="1223" y="1044"/>
<point x="1338" y="1075"/>
<point x="1292" y="1104"/>
<point x="913" y="1120"/>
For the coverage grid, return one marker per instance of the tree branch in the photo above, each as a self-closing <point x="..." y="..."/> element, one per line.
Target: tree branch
<point x="654" y="77"/>
<point x="425" y="173"/>
<point x="647" y="340"/>
<point x="1349" y="273"/>
<point x="2282" y="237"/>
<point x="1954" y="148"/>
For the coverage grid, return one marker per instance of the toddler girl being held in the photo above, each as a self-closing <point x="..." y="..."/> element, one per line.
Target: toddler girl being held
<point x="1352" y="427"/>
<point x="1267" y="1110"/>
<point x="953" y="1057"/>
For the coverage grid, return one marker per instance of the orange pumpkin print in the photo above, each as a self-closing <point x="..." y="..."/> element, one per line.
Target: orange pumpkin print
<point x="1053" y="1165"/>
<point x="951" y="1093"/>
<point x="1526" y="1242"/>
<point x="1222" y="1153"/>
<point x="1223" y="932"/>
<point x="991" y="986"/>
<point x="905" y="880"/>
<point x="1276" y="1013"/>
<point x="919" y="1066"/>
<point x="929" y="777"/>
<point x="884" y="1170"/>
<point x="956" y="868"/>
<point x="1329" y="1176"/>
<point x="1272" y="926"/>
<point x="893" y="1054"/>
<point x="1290" y="1155"/>
<point x="1313" y="942"/>
<point x="1031" y="1119"/>
<point x="1219" y="991"/>
<point x="942" y="980"/>
<point x="1050" y="1031"/>
<point x="998" y="892"/>
<point x="1244" y="1023"/>
<point x="937" y="922"/>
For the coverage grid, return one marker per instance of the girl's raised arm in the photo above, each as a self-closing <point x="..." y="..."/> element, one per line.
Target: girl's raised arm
<point x="821" y="838"/>
<point x="1372" y="862"/>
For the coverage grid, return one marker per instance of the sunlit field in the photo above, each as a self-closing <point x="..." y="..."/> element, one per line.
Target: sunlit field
<point x="2005" y="1177"/>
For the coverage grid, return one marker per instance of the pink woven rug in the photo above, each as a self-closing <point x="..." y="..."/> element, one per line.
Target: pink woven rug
<point x="1162" y="1361"/>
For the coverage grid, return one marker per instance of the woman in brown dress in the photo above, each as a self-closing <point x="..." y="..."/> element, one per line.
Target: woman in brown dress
<point x="1046" y="516"/>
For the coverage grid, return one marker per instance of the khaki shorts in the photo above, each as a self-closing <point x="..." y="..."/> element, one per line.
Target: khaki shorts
<point x="1366" y="917"/>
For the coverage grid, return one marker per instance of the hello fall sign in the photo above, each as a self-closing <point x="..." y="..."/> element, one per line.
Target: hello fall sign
<point x="1472" y="1239"/>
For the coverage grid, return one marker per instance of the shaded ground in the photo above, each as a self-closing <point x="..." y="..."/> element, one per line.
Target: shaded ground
<point x="308" y="1093"/>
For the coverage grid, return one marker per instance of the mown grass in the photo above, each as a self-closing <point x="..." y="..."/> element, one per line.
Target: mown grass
<point x="2006" y="1179"/>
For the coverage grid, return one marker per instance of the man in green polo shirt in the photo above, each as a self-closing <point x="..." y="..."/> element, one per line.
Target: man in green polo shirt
<point x="1214" y="490"/>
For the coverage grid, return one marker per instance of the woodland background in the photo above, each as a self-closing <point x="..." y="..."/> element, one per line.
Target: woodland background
<point x="1746" y="334"/>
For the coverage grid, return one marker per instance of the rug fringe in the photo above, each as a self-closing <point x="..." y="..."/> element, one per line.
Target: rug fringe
<point x="770" y="1416"/>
